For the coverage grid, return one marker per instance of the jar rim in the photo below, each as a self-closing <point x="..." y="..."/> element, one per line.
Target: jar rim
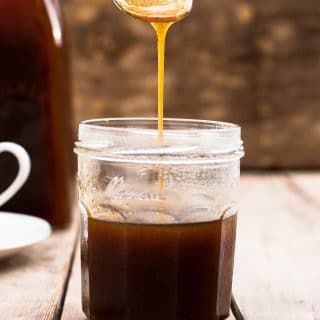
<point x="137" y="140"/>
<point x="102" y="122"/>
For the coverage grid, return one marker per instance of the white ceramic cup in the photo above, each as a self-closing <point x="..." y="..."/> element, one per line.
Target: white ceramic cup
<point x="23" y="172"/>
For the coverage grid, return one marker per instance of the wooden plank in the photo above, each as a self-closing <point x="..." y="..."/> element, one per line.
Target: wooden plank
<point x="307" y="185"/>
<point x="32" y="284"/>
<point x="72" y="307"/>
<point x="277" y="265"/>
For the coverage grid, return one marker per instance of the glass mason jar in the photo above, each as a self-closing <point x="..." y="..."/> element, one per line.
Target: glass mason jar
<point x="158" y="217"/>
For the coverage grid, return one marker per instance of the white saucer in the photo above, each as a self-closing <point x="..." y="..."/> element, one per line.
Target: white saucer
<point x="19" y="231"/>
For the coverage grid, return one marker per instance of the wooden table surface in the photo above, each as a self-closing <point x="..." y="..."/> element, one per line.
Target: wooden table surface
<point x="277" y="269"/>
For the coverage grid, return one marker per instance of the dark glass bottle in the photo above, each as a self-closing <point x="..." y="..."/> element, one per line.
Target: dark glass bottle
<point x="35" y="108"/>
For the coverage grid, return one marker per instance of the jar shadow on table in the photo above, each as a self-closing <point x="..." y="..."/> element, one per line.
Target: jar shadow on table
<point x="11" y="264"/>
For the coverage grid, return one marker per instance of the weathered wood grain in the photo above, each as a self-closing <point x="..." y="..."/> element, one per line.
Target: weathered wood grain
<point x="307" y="186"/>
<point x="72" y="309"/>
<point x="253" y="62"/>
<point x="277" y="266"/>
<point x="32" y="284"/>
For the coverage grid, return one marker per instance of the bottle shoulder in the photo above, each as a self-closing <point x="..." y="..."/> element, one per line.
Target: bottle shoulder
<point x="33" y="20"/>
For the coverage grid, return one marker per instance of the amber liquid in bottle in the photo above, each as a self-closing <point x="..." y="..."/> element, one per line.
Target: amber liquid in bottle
<point x="35" y="106"/>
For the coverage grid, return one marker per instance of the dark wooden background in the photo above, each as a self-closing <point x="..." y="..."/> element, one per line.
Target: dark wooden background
<point x="253" y="62"/>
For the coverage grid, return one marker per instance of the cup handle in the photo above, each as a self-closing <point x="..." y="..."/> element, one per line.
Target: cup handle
<point x="23" y="173"/>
